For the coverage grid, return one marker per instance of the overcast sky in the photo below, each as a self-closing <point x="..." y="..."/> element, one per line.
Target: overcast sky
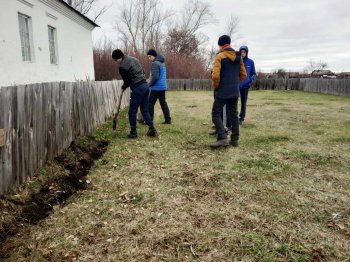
<point x="279" y="33"/>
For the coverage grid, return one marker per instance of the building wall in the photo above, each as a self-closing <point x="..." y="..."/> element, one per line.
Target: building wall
<point x="74" y="43"/>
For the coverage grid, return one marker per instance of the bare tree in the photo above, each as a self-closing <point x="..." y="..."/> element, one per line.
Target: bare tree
<point x="232" y="25"/>
<point x="196" y="15"/>
<point x="281" y="73"/>
<point x="211" y="53"/>
<point x="141" y="23"/>
<point x="184" y="34"/>
<point x="313" y="65"/>
<point x="89" y="8"/>
<point x="180" y="42"/>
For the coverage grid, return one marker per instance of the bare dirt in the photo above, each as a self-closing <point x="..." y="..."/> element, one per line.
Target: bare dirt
<point x="35" y="201"/>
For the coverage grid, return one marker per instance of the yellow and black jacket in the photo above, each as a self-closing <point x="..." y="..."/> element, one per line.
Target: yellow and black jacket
<point x="228" y="72"/>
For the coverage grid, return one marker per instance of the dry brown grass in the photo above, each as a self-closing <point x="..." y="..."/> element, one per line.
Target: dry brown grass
<point x="283" y="195"/>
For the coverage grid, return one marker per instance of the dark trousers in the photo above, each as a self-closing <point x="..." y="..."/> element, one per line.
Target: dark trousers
<point x="244" y="99"/>
<point x="154" y="96"/>
<point x="232" y="114"/>
<point x="139" y="98"/>
<point x="228" y="119"/>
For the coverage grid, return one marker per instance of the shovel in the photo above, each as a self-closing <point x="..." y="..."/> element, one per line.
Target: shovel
<point x="115" y="119"/>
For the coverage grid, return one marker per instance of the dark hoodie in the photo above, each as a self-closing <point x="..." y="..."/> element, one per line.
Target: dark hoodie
<point x="158" y="74"/>
<point x="249" y="67"/>
<point x="228" y="72"/>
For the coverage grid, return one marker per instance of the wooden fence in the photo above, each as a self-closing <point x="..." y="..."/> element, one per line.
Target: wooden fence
<point x="39" y="121"/>
<point x="327" y="86"/>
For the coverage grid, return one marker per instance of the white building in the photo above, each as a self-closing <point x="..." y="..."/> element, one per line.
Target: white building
<point x="44" y="41"/>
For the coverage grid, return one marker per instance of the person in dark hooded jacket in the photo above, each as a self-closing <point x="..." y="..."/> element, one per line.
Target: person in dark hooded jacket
<point x="244" y="87"/>
<point x="134" y="77"/>
<point x="158" y="84"/>
<point x="228" y="72"/>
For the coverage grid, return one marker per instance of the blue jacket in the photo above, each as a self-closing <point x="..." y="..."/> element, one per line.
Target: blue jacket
<point x="249" y="67"/>
<point x="158" y="74"/>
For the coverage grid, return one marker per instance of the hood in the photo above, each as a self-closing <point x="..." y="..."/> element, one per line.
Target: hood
<point x="160" y="58"/>
<point x="244" y="47"/>
<point x="230" y="53"/>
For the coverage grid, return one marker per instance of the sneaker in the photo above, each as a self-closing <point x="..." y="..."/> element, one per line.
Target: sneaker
<point x="234" y="143"/>
<point x="167" y="122"/>
<point x="132" y="135"/>
<point x="152" y="132"/>
<point x="220" y="143"/>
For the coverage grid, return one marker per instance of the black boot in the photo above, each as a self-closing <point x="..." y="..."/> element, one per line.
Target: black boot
<point x="220" y="143"/>
<point x="152" y="132"/>
<point x="167" y="122"/>
<point x="234" y="143"/>
<point x="132" y="135"/>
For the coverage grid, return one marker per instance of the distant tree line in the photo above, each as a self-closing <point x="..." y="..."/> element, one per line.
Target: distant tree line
<point x="145" y="24"/>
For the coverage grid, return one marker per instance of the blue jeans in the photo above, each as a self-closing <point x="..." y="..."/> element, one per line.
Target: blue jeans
<point x="139" y="98"/>
<point x="244" y="99"/>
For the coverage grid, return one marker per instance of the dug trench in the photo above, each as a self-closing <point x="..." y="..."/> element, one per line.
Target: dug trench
<point x="52" y="186"/>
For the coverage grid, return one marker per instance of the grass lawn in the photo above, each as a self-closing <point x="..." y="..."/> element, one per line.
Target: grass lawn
<point x="282" y="195"/>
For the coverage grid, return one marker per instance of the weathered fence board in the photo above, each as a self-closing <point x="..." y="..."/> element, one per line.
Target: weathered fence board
<point x="39" y="121"/>
<point x="327" y="86"/>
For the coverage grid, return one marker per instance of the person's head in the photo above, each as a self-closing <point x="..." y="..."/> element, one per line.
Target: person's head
<point x="244" y="51"/>
<point x="224" y="41"/>
<point x="152" y="54"/>
<point x="118" y="56"/>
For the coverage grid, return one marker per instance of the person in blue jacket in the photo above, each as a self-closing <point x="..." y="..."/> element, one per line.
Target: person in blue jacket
<point x="158" y="84"/>
<point x="245" y="84"/>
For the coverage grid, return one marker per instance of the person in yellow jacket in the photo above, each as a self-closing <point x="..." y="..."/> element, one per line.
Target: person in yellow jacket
<point x="228" y="73"/>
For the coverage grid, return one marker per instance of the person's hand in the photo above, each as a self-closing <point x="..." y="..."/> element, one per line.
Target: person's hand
<point x="124" y="87"/>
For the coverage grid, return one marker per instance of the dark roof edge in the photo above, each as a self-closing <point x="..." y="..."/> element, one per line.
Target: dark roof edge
<point x="77" y="12"/>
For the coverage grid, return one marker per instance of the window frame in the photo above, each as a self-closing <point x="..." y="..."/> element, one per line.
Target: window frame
<point x="25" y="34"/>
<point x="53" y="45"/>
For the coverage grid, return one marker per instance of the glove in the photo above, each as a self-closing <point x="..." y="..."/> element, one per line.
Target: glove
<point x="124" y="87"/>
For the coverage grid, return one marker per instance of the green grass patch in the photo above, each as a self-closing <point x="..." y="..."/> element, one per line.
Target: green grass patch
<point x="341" y="140"/>
<point x="265" y="164"/>
<point x="259" y="249"/>
<point x="249" y="126"/>
<point x="273" y="198"/>
<point x="266" y="140"/>
<point x="314" y="158"/>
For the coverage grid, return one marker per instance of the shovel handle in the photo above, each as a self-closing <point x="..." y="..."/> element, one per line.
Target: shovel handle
<point x="120" y="101"/>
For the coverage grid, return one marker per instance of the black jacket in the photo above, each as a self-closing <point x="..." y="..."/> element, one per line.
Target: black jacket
<point x="132" y="72"/>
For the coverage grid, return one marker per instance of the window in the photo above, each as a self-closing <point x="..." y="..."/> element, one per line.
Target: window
<point x="24" y="22"/>
<point x="52" y="45"/>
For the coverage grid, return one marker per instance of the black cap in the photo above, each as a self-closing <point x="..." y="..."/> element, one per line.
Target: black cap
<point x="152" y="52"/>
<point x="224" y="40"/>
<point x="117" y="54"/>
